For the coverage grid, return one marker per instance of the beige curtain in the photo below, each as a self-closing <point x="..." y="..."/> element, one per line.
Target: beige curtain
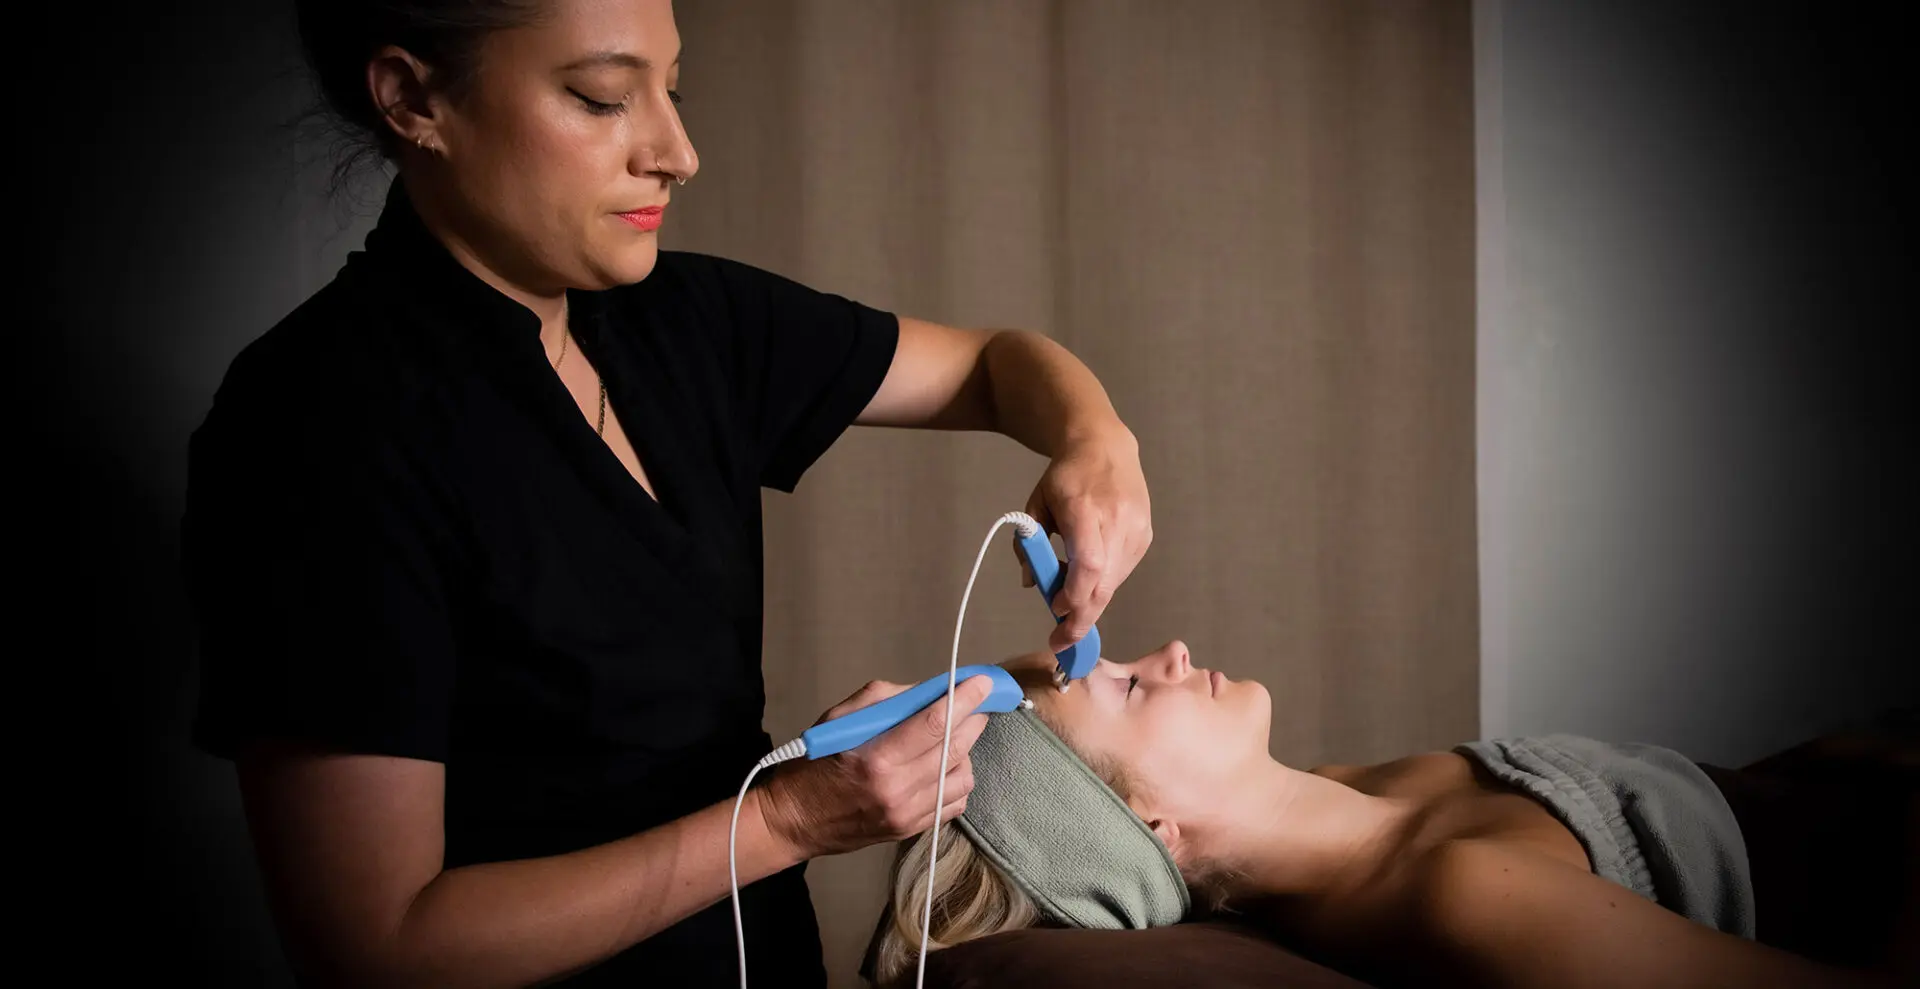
<point x="1252" y="218"/>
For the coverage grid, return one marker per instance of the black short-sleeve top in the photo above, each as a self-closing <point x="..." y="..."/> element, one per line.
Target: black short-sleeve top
<point x="402" y="537"/>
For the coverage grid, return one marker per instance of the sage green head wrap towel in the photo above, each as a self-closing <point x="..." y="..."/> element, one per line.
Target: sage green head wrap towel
<point x="1062" y="836"/>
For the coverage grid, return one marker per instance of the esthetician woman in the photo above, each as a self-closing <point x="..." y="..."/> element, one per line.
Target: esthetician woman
<point x="473" y="535"/>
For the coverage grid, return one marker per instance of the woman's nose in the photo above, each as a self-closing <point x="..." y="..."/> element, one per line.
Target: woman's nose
<point x="674" y="158"/>
<point x="666" y="148"/>
<point x="684" y="161"/>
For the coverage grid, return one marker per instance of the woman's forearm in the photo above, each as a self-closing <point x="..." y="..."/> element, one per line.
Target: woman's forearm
<point x="535" y="920"/>
<point x="1042" y="396"/>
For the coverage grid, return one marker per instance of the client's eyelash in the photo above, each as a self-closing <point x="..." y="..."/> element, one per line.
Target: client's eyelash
<point x="1130" y="682"/>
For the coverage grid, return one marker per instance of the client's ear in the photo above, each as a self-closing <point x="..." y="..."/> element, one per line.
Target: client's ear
<point x="1168" y="831"/>
<point x="1163" y="827"/>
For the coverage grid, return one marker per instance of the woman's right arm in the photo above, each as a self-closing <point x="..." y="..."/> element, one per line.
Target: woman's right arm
<point x="351" y="850"/>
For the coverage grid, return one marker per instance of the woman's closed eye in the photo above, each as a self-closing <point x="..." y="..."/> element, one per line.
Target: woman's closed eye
<point x="1132" y="681"/>
<point x="609" y="109"/>
<point x="599" y="106"/>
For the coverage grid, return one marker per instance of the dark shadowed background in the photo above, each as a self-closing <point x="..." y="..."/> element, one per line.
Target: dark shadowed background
<point x="1499" y="368"/>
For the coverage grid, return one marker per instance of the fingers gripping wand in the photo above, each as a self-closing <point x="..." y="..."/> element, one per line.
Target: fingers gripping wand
<point x="1077" y="660"/>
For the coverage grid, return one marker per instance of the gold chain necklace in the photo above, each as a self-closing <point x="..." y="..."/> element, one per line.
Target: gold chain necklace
<point x="599" y="428"/>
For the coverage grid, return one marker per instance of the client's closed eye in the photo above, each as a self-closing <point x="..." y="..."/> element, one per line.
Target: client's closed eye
<point x="1131" y="681"/>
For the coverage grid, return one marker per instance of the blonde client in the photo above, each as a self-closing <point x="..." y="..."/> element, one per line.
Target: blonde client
<point x="1146" y="795"/>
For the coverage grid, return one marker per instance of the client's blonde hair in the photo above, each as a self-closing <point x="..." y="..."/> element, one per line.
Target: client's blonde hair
<point x="972" y="898"/>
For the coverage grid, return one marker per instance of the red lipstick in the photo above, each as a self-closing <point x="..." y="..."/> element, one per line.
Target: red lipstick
<point x="644" y="219"/>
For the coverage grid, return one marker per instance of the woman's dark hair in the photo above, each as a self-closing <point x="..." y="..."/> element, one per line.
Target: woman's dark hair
<point x="339" y="38"/>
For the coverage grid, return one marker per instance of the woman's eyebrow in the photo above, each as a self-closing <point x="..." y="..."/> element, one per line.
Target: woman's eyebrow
<point x="620" y="59"/>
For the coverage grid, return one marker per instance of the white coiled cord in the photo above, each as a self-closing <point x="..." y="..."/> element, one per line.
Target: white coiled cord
<point x="1026" y="525"/>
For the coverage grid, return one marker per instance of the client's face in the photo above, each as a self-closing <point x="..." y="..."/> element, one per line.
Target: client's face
<point x="1179" y="732"/>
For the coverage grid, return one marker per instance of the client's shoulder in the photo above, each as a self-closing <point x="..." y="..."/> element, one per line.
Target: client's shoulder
<point x="1449" y="880"/>
<point x="1445" y="899"/>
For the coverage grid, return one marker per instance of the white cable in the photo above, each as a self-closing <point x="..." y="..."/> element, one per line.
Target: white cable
<point x="792" y="750"/>
<point x="1021" y="522"/>
<point x="1026" y="526"/>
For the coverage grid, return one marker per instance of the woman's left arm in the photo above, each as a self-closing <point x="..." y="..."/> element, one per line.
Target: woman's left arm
<point x="1025" y="386"/>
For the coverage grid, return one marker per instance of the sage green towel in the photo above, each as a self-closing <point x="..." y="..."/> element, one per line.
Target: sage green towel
<point x="1063" y="836"/>
<point x="1649" y="818"/>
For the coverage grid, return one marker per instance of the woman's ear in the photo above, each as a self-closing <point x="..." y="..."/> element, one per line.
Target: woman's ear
<point x="398" y="82"/>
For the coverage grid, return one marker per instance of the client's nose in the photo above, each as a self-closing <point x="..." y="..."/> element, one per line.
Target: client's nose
<point x="1179" y="659"/>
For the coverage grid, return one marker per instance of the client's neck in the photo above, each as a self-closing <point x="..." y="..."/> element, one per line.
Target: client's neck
<point x="1291" y="834"/>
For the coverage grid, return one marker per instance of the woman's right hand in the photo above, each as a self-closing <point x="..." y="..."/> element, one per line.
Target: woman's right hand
<point x="883" y="790"/>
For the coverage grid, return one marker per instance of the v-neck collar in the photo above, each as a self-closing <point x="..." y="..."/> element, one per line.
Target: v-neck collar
<point x="439" y="291"/>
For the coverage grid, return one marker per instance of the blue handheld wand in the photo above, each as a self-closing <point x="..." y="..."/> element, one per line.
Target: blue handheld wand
<point x="857" y="727"/>
<point x="1078" y="659"/>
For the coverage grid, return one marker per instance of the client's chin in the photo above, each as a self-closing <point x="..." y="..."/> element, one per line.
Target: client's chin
<point x="1259" y="704"/>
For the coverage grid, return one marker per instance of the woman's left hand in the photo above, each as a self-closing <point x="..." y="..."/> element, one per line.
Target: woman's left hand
<point x="1094" y="495"/>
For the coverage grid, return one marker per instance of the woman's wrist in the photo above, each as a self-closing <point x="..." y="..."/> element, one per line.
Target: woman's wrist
<point x="761" y="840"/>
<point x="1102" y="430"/>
